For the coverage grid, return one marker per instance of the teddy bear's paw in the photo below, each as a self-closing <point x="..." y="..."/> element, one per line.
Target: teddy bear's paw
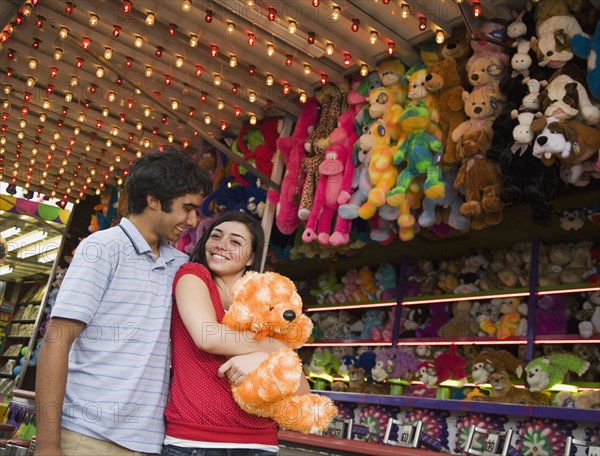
<point x="275" y="378"/>
<point x="308" y="413"/>
<point x="470" y="208"/>
<point x="309" y="236"/>
<point x="491" y="203"/>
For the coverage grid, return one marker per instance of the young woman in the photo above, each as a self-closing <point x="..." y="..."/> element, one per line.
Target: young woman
<point x="202" y="416"/>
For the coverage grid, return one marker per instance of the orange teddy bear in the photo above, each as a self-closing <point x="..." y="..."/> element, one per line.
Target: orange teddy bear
<point x="268" y="305"/>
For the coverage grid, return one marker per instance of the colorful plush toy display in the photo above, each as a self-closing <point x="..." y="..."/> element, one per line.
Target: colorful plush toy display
<point x="268" y="305"/>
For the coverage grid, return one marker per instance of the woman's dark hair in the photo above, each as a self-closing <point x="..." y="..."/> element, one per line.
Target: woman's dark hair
<point x="256" y="232"/>
<point x="165" y="174"/>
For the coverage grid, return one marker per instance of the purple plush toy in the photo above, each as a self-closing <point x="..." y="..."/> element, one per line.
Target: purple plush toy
<point x="551" y="315"/>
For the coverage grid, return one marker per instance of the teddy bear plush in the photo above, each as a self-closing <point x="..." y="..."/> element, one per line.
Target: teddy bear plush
<point x="443" y="81"/>
<point x="551" y="315"/>
<point x="292" y="150"/>
<point x="391" y="73"/>
<point x="479" y="176"/>
<point x="587" y="400"/>
<point x="545" y="372"/>
<point x="462" y="323"/>
<point x="503" y="391"/>
<point x="268" y="305"/>
<point x="490" y="361"/>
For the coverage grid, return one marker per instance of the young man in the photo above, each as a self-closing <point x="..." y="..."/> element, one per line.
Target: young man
<point x="103" y="371"/>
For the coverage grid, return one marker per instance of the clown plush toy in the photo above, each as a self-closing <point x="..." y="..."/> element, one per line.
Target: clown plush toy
<point x="268" y="305"/>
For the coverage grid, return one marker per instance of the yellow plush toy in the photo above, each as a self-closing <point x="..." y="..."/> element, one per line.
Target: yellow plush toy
<point x="268" y="305"/>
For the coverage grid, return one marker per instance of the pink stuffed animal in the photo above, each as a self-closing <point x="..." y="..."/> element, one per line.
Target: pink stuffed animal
<point x="292" y="149"/>
<point x="325" y="204"/>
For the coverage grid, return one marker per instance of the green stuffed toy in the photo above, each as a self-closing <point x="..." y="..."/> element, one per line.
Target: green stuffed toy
<point x="421" y="152"/>
<point x="545" y="372"/>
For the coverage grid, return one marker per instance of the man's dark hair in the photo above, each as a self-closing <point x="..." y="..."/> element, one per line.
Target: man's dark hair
<point x="166" y="175"/>
<point x="256" y="232"/>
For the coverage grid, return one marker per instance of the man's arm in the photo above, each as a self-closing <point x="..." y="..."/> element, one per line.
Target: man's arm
<point x="51" y="381"/>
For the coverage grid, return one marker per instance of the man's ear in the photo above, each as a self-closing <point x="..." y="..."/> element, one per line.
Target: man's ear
<point x="153" y="202"/>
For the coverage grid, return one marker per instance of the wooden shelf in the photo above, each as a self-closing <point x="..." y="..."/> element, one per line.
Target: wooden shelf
<point x="514" y="410"/>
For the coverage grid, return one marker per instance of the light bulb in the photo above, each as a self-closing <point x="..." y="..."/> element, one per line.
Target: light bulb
<point x="63" y="33"/>
<point x="93" y="20"/>
<point x="251" y="96"/>
<point x="68" y="97"/>
<point x="179" y="61"/>
<point x="32" y="64"/>
<point x="148" y="71"/>
<point x="253" y="119"/>
<point x="303" y="97"/>
<point x="108" y="53"/>
<point x="150" y="19"/>
<point x="174" y="104"/>
<point x="292" y="26"/>
<point x="100" y="72"/>
<point x="58" y="53"/>
<point x="112" y="96"/>
<point x="230" y="27"/>
<point x="139" y="41"/>
<point x="439" y="36"/>
<point x="207" y="119"/>
<point x="364" y="70"/>
<point x="373" y="37"/>
<point x="307" y="69"/>
<point x="269" y="81"/>
<point x="193" y="40"/>
<point x="232" y="61"/>
<point x="270" y="50"/>
<point x="186" y="5"/>
<point x="147" y="111"/>
<point x="218" y="80"/>
<point x="335" y="16"/>
<point x="329" y="48"/>
<point x="105" y="111"/>
<point x="220" y="104"/>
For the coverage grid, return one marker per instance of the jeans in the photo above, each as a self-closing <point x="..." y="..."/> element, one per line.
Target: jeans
<point x="171" y="450"/>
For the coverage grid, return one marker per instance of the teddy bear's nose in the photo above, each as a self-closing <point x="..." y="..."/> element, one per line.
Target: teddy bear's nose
<point x="541" y="140"/>
<point x="428" y="77"/>
<point x="475" y="77"/>
<point x="289" y="315"/>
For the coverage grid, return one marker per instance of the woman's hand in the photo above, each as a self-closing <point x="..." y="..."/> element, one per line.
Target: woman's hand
<point x="237" y="367"/>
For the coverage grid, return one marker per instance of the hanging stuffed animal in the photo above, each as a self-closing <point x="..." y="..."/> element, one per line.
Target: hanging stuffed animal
<point x="292" y="149"/>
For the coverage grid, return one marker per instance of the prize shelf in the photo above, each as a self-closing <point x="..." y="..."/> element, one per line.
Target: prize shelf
<point x="495" y="408"/>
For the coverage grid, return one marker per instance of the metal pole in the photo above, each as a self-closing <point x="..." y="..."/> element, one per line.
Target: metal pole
<point x="400" y="289"/>
<point x="533" y="298"/>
